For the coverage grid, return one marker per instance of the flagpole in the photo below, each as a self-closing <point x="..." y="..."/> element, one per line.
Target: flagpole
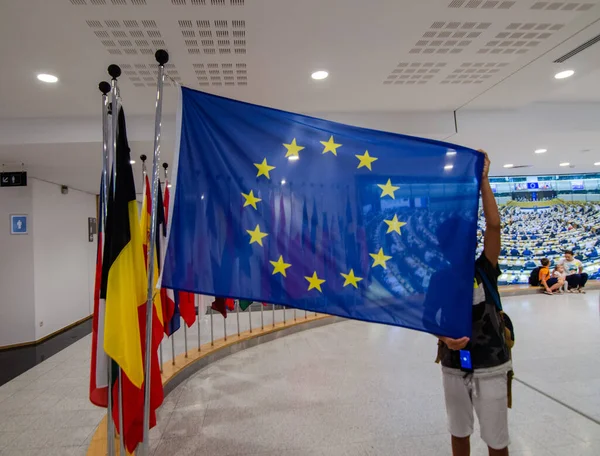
<point x="237" y="312"/>
<point x="262" y="317"/>
<point x="225" y="325"/>
<point x="250" y="316"/>
<point x="306" y="314"/>
<point x="294" y="314"/>
<point x="162" y="57"/>
<point x="273" y="315"/>
<point x="185" y="337"/>
<point x="173" y="349"/>
<point x="105" y="88"/>
<point x="284" y="315"/>
<point x="197" y="299"/>
<point x="115" y="71"/>
<point x="212" y="335"/>
<point x="143" y="158"/>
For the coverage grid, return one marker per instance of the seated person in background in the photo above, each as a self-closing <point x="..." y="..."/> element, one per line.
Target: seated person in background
<point x="576" y="278"/>
<point x="561" y="277"/>
<point x="546" y="280"/>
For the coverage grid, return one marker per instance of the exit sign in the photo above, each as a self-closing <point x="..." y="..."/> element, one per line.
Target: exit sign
<point x="14" y="179"/>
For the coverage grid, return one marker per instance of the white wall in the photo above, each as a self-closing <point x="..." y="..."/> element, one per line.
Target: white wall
<point x="16" y="270"/>
<point x="64" y="258"/>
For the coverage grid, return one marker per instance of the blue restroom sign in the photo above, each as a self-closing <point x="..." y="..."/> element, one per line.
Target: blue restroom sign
<point x="18" y="224"/>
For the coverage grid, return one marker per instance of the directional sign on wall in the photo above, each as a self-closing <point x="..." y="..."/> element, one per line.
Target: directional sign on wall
<point x="13" y="179"/>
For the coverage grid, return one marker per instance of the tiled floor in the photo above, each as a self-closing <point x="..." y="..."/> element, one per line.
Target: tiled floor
<point x="346" y="389"/>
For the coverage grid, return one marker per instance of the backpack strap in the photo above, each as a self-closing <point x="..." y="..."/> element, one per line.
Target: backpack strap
<point x="490" y="288"/>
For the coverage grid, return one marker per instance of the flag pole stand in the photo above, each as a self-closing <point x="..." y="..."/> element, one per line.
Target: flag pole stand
<point x="105" y="88"/>
<point x="212" y="333"/>
<point x="306" y="314"/>
<point x="115" y="71"/>
<point x="294" y="314"/>
<point x="250" y="317"/>
<point x="162" y="57"/>
<point x="237" y="312"/>
<point x="197" y="298"/>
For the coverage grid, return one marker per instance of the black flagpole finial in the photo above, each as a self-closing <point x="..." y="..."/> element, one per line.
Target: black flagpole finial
<point x="143" y="157"/>
<point x="104" y="87"/>
<point x="114" y="71"/>
<point x="161" y="56"/>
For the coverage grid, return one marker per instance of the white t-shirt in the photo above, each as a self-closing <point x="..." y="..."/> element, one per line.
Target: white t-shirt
<point x="571" y="267"/>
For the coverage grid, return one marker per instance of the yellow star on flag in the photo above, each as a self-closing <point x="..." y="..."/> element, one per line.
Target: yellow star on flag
<point x="314" y="282"/>
<point x="280" y="266"/>
<point x="388" y="189"/>
<point x="394" y="225"/>
<point x="256" y="235"/>
<point x="251" y="200"/>
<point x="330" y="146"/>
<point x="351" y="279"/>
<point x="380" y="259"/>
<point x="264" y="168"/>
<point x="365" y="160"/>
<point x="293" y="149"/>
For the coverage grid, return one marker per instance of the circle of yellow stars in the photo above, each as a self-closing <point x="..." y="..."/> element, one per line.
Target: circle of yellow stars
<point x="364" y="161"/>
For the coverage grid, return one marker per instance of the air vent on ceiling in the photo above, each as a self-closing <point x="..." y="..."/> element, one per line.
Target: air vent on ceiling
<point x="520" y="166"/>
<point x="561" y="6"/>
<point x="488" y="4"/>
<point x="578" y="49"/>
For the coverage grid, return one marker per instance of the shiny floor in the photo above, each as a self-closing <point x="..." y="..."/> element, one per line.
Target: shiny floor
<point x="15" y="361"/>
<point x="346" y="389"/>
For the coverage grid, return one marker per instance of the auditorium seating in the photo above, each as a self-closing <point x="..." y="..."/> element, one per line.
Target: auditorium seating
<point x="529" y="235"/>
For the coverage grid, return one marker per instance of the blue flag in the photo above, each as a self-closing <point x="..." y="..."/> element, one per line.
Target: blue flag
<point x="279" y="207"/>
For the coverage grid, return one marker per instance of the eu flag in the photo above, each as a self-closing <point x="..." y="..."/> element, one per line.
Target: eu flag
<point x="280" y="207"/>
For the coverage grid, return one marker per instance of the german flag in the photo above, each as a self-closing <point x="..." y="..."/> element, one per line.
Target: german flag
<point x="123" y="269"/>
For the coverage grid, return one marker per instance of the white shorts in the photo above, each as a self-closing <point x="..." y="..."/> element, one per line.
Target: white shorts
<point x="486" y="391"/>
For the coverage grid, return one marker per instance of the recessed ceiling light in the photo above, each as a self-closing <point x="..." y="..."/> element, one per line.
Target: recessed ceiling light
<point x="169" y="186"/>
<point x="565" y="164"/>
<point x="132" y="162"/>
<point x="202" y="197"/>
<point x="597" y="164"/>
<point x="564" y="74"/>
<point x="294" y="157"/>
<point x="282" y="181"/>
<point x="541" y="151"/>
<point x="451" y="152"/>
<point x="509" y="165"/>
<point x="448" y="167"/>
<point x="318" y="75"/>
<point x="47" y="78"/>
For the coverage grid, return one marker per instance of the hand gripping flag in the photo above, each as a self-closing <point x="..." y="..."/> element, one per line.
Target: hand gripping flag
<point x="279" y="207"/>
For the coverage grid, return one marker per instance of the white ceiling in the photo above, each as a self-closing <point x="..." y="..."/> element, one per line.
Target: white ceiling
<point x="398" y="65"/>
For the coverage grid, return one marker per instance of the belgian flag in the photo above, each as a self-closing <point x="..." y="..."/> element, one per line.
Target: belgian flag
<point x="123" y="269"/>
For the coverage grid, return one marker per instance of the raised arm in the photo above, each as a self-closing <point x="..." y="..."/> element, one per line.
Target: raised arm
<point x="491" y="237"/>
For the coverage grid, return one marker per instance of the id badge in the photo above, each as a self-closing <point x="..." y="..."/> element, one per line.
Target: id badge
<point x="465" y="360"/>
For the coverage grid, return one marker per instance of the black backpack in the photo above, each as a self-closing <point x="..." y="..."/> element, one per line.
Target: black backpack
<point x="534" y="277"/>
